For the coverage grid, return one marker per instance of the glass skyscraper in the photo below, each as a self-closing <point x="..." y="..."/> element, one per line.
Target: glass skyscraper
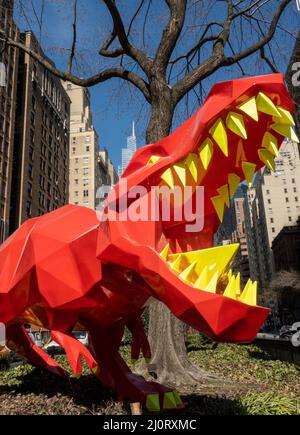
<point x="127" y="153"/>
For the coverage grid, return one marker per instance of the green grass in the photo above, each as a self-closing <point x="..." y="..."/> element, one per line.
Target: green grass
<point x="266" y="386"/>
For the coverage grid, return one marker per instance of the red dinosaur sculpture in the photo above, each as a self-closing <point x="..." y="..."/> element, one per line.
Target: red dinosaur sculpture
<point x="70" y="267"/>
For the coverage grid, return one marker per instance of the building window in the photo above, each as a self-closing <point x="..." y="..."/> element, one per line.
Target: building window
<point x="86" y="161"/>
<point x="76" y="181"/>
<point x="76" y="193"/>
<point x="69" y="87"/>
<point x="295" y="189"/>
<point x="30" y="171"/>
<point x="296" y="198"/>
<point x="285" y="191"/>
<point x="287" y="200"/>
<point x="273" y="230"/>
<point x="85" y="182"/>
<point x="87" y="149"/>
<point x="85" y="171"/>
<point x="85" y="193"/>
<point x="269" y="201"/>
<point x="76" y="161"/>
<point x="268" y="192"/>
<point x="29" y="190"/>
<point x="272" y="220"/>
<point x="290" y="219"/>
<point x="88" y="139"/>
<point x="73" y="150"/>
<point x="31" y="153"/>
<point x="28" y="208"/>
<point x="86" y="204"/>
<point x="293" y="180"/>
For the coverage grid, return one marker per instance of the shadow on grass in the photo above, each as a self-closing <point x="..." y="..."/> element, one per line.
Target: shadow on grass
<point x="89" y="393"/>
<point x="86" y="391"/>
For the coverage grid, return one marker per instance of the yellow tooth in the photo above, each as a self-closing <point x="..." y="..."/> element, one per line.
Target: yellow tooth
<point x="233" y="181"/>
<point x="270" y="142"/>
<point x="285" y="117"/>
<point x="230" y="289"/>
<point x="249" y="107"/>
<point x="229" y="274"/>
<point x="224" y="193"/>
<point x="188" y="272"/>
<point x="153" y="160"/>
<point x="218" y="132"/>
<point x="193" y="164"/>
<point x="206" y="152"/>
<point x="249" y="295"/>
<point x="265" y="104"/>
<point x="219" y="257"/>
<point x="285" y="130"/>
<point x="238" y="284"/>
<point x="235" y="123"/>
<point x="212" y="285"/>
<point x="168" y="178"/>
<point x="267" y="158"/>
<point x="180" y="170"/>
<point x="175" y="264"/>
<point x="202" y="281"/>
<point x="249" y="171"/>
<point x="218" y="203"/>
<point x="164" y="253"/>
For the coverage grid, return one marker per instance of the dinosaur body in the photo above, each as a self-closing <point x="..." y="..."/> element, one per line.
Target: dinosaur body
<point x="72" y="267"/>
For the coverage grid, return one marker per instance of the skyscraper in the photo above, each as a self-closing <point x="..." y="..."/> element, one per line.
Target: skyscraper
<point x="84" y="178"/>
<point x="41" y="152"/>
<point x="127" y="153"/>
<point x="8" y="95"/>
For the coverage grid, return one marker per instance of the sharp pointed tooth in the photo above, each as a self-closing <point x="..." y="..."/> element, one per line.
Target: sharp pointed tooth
<point x="164" y="253"/>
<point x="224" y="193"/>
<point x="265" y="104"/>
<point x="285" y="117"/>
<point x="230" y="289"/>
<point x="188" y="272"/>
<point x="168" y="178"/>
<point x="202" y="280"/>
<point x="218" y="132"/>
<point x="270" y="142"/>
<point x="206" y="152"/>
<point x="267" y="158"/>
<point x="249" y="171"/>
<point x="192" y="164"/>
<point x="180" y="170"/>
<point x="235" y="123"/>
<point x="212" y="285"/>
<point x="229" y="274"/>
<point x="238" y="284"/>
<point x="286" y="131"/>
<point x="249" y="295"/>
<point x="175" y="265"/>
<point x="249" y="107"/>
<point x="153" y="160"/>
<point x="218" y="203"/>
<point x="233" y="181"/>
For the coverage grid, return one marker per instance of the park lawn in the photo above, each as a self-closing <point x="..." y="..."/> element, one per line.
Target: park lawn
<point x="255" y="384"/>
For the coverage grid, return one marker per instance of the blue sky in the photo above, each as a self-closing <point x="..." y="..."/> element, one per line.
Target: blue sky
<point x="115" y="104"/>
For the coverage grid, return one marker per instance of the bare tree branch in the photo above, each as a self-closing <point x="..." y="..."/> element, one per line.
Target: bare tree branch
<point x="73" y="48"/>
<point x="138" y="55"/>
<point x="171" y="33"/>
<point x="93" y="80"/>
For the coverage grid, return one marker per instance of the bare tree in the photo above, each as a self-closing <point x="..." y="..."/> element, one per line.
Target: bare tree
<point x="293" y="80"/>
<point x="165" y="76"/>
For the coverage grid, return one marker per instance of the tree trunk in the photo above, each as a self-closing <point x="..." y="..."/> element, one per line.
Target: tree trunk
<point x="166" y="332"/>
<point x="292" y="78"/>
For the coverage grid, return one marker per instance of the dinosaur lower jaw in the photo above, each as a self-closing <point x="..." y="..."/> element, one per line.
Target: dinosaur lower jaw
<point x="209" y="270"/>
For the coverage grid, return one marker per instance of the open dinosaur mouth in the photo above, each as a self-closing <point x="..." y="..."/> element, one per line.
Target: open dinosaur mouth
<point x="241" y="139"/>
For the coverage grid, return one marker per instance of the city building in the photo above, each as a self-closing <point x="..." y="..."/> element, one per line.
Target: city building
<point x="286" y="248"/>
<point x="8" y="95"/>
<point x="41" y="151"/>
<point x="273" y="204"/>
<point x="280" y="190"/>
<point x="128" y="152"/>
<point x="84" y="175"/>
<point x="108" y="174"/>
<point x="241" y="263"/>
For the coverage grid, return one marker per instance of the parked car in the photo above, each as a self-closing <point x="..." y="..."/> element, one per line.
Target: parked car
<point x="82" y="336"/>
<point x="52" y="348"/>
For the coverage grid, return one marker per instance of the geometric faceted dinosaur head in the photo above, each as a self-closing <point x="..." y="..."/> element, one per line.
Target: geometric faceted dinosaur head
<point x="238" y="130"/>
